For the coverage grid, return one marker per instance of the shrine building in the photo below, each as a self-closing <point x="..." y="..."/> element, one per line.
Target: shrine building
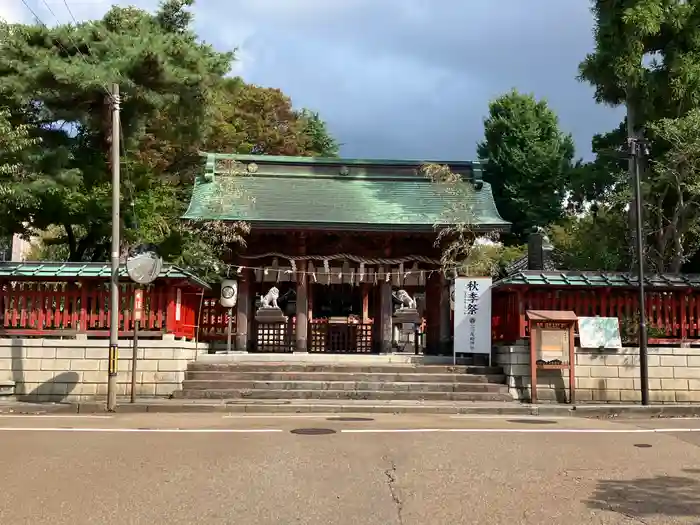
<point x="339" y="239"/>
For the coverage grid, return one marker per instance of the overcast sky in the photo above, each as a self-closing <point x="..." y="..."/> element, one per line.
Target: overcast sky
<point x="397" y="78"/>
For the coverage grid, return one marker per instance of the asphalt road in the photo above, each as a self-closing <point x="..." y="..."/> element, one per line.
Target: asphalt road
<point x="186" y="469"/>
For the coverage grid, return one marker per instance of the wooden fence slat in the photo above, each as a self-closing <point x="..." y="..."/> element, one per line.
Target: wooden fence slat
<point x="675" y="313"/>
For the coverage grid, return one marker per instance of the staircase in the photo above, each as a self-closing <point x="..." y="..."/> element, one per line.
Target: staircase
<point x="400" y="382"/>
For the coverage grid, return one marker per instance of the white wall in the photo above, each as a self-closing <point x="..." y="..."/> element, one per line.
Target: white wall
<point x="76" y="370"/>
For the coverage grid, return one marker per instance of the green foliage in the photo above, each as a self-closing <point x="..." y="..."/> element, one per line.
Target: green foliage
<point x="15" y="144"/>
<point x="528" y="162"/>
<point x="647" y="56"/>
<point x="463" y="250"/>
<point x="490" y="259"/>
<point x="55" y="81"/>
<point x="599" y="181"/>
<point x="319" y="142"/>
<point x="591" y="242"/>
<point x="251" y="119"/>
<point x="176" y="101"/>
<point x="672" y="193"/>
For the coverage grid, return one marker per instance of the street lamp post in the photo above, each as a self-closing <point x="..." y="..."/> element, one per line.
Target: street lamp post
<point x="638" y="149"/>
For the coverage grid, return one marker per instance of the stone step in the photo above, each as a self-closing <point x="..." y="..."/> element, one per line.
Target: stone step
<point x="342" y="394"/>
<point x="198" y="375"/>
<point x="392" y="386"/>
<point x="343" y="368"/>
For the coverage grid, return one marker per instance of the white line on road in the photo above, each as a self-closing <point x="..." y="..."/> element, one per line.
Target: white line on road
<point x="55" y="416"/>
<point x="526" y="417"/>
<point x="523" y="430"/>
<point x="279" y="416"/>
<point x="145" y="430"/>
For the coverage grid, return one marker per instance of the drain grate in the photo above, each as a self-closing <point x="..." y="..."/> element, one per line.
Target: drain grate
<point x="532" y="421"/>
<point x="350" y="419"/>
<point x="313" y="431"/>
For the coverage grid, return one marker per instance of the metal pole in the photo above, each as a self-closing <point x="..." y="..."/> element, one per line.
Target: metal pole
<point x="229" y="330"/>
<point x="134" y="359"/>
<point x="643" y="361"/>
<point x="114" y="281"/>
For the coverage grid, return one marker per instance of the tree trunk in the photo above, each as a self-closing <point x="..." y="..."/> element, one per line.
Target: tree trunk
<point x="72" y="247"/>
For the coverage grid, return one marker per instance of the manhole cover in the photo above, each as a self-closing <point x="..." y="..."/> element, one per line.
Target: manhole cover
<point x="313" y="431"/>
<point x="350" y="419"/>
<point x="642" y="445"/>
<point x="532" y="421"/>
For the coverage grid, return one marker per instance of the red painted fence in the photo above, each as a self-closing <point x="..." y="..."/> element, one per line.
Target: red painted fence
<point x="69" y="308"/>
<point x="213" y="320"/>
<point x="672" y="316"/>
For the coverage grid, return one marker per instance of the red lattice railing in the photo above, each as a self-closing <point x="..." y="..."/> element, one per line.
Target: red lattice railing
<point x="671" y="315"/>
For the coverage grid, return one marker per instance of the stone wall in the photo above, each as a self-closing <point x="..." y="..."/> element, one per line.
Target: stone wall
<point x="607" y="376"/>
<point x="76" y="370"/>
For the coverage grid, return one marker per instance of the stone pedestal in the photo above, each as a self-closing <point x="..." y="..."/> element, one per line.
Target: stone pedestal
<point x="407" y="321"/>
<point x="270" y="315"/>
<point x="407" y="315"/>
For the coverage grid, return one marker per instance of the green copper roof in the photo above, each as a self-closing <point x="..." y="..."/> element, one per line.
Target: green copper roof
<point x="63" y="270"/>
<point x="338" y="194"/>
<point x="599" y="280"/>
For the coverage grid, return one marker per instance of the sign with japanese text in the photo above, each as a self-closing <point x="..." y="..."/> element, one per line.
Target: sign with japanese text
<point x="138" y="304"/>
<point x="472" y="315"/>
<point x="178" y="304"/>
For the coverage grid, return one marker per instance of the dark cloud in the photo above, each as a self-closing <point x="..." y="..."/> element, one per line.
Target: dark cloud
<point x="408" y="78"/>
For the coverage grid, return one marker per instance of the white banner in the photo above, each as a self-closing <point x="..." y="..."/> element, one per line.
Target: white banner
<point x="472" y="315"/>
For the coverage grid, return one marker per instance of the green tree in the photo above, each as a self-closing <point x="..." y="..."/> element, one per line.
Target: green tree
<point x="646" y="57"/>
<point x="673" y="192"/>
<point x="590" y="242"/>
<point x="527" y="162"/>
<point x="55" y="80"/>
<point x="319" y="141"/>
<point x="251" y="119"/>
<point x="16" y="143"/>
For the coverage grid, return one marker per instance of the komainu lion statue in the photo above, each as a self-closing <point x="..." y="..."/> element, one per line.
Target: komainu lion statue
<point x="269" y="300"/>
<point x="406" y="300"/>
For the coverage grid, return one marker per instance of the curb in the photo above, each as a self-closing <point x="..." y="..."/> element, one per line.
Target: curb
<point x="582" y="411"/>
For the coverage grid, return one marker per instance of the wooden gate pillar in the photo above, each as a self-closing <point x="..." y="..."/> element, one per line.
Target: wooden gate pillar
<point x="243" y="311"/>
<point x="386" y="333"/>
<point x="432" y="313"/>
<point x="445" y="318"/>
<point x="302" y="313"/>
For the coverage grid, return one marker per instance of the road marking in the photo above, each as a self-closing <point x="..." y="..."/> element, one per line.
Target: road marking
<point x="278" y="416"/>
<point x="145" y="430"/>
<point x="523" y="430"/>
<point x="54" y="416"/>
<point x="527" y="417"/>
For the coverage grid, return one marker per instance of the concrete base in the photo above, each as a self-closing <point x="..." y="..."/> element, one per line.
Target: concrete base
<point x="298" y="357"/>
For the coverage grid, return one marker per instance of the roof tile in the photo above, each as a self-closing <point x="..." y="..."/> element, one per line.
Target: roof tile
<point x="313" y="192"/>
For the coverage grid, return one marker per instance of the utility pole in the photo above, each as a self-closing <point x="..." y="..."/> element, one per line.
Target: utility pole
<point x="114" y="280"/>
<point x="632" y="136"/>
<point x="638" y="150"/>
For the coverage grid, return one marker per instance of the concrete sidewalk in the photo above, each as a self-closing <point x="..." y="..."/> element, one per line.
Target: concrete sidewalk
<point x="356" y="406"/>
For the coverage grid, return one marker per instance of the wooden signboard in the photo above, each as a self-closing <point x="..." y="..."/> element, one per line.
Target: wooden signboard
<point x="552" y="346"/>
